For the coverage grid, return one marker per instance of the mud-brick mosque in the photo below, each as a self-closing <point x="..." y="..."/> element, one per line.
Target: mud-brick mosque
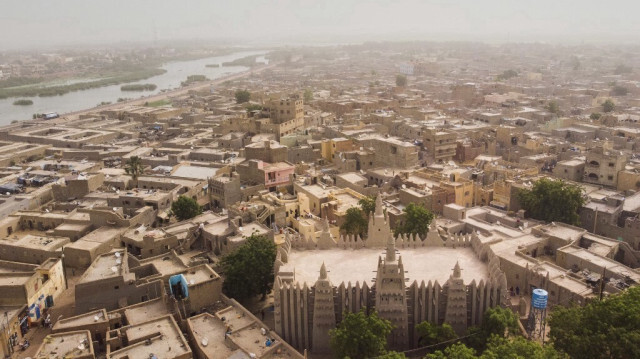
<point x="406" y="280"/>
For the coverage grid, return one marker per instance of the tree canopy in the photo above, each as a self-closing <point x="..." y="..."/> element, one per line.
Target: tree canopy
<point x="552" y="200"/>
<point x="619" y="91"/>
<point x="185" y="208"/>
<point x="595" y="116"/>
<point x="601" y="329"/>
<point x="553" y="107"/>
<point x="243" y="96"/>
<point x="354" y="222"/>
<point x="360" y="336"/>
<point x="507" y="74"/>
<point x="416" y="220"/>
<point x="401" y="80"/>
<point x="500" y="348"/>
<point x="134" y="167"/>
<point x="454" y="351"/>
<point x="622" y="69"/>
<point x="248" y="271"/>
<point x="253" y="107"/>
<point x="368" y="204"/>
<point x="496" y="321"/>
<point x="431" y="334"/>
<point x="608" y="106"/>
<point x="308" y="96"/>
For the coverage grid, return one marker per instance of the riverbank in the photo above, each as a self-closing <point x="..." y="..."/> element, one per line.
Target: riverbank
<point x="162" y="98"/>
<point x="176" y="73"/>
<point x="35" y="90"/>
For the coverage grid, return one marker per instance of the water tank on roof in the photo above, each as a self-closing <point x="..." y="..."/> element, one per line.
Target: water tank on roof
<point x="539" y="298"/>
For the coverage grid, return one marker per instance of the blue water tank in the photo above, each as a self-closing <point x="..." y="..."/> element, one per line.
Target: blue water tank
<point x="539" y="298"/>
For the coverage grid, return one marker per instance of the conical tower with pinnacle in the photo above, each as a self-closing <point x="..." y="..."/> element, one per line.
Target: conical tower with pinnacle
<point x="456" y="311"/>
<point x="326" y="241"/>
<point x="391" y="301"/>
<point x="324" y="317"/>
<point x="379" y="229"/>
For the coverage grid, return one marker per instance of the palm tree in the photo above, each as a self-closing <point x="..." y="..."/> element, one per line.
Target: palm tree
<point x="134" y="167"/>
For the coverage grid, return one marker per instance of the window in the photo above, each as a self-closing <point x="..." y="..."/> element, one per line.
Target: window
<point x="116" y="287"/>
<point x="610" y="178"/>
<point x="611" y="164"/>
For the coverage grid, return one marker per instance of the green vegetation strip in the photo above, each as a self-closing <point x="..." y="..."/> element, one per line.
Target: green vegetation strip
<point x="23" y="102"/>
<point x="138" y="87"/>
<point x="194" y="78"/>
<point x="158" y="103"/>
<point x="64" y="89"/>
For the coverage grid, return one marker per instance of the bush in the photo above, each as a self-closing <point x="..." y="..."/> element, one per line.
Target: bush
<point x="185" y="208"/>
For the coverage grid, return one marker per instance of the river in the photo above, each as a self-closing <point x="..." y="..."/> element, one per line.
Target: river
<point x="177" y="72"/>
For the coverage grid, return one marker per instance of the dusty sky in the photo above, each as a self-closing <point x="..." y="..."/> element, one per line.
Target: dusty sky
<point x="46" y="23"/>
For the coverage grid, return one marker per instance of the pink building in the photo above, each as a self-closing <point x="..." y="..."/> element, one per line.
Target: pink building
<point x="270" y="174"/>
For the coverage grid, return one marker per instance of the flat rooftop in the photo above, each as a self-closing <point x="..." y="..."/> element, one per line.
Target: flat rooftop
<point x="105" y="266"/>
<point x="66" y="345"/>
<point x="39" y="242"/>
<point x="197" y="172"/>
<point x="427" y="263"/>
<point x="166" y="340"/>
<point x="206" y="328"/>
<point x="89" y="318"/>
<point x="140" y="313"/>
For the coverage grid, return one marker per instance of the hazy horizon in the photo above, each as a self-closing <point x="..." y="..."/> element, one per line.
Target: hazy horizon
<point x="46" y="24"/>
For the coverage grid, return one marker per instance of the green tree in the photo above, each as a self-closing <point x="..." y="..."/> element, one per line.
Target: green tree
<point x="308" y="96"/>
<point x="134" y="167"/>
<point x="354" y="222"/>
<point x="392" y="355"/>
<point x="496" y="321"/>
<point x="499" y="321"/>
<point x="601" y="329"/>
<point x="416" y="220"/>
<point x="401" y="80"/>
<point x="360" y="336"/>
<point x="185" y="208"/>
<point x="553" y="107"/>
<point x="253" y="107"/>
<point x="519" y="348"/>
<point x="455" y="351"/>
<point x="243" y="96"/>
<point x="507" y="74"/>
<point x="368" y="204"/>
<point x="431" y="334"/>
<point x="619" y="91"/>
<point x="248" y="271"/>
<point x="552" y="200"/>
<point x="622" y="69"/>
<point x="595" y="116"/>
<point x="608" y="106"/>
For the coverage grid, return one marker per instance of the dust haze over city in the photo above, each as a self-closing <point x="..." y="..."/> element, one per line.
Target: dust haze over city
<point x="319" y="179"/>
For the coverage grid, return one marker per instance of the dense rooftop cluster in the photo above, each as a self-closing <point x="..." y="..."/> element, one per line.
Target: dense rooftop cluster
<point x="100" y="253"/>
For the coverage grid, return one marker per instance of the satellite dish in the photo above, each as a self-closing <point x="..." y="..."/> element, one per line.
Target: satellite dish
<point x="114" y="269"/>
<point x="117" y="254"/>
